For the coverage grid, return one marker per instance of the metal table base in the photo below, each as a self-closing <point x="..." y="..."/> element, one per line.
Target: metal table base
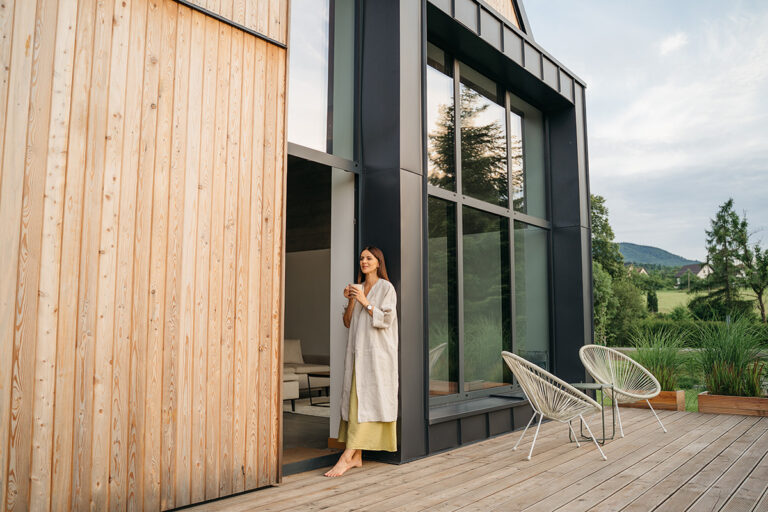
<point x="602" y="387"/>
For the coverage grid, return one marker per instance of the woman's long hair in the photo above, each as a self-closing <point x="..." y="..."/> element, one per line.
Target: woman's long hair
<point x="381" y="271"/>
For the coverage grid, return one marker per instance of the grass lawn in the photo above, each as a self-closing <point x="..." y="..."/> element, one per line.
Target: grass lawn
<point x="670" y="299"/>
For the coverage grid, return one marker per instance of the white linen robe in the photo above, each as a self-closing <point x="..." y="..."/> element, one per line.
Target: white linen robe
<point x="372" y="348"/>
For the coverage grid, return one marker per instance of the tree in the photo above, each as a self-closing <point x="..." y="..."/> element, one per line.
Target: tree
<point x="603" y="301"/>
<point x="755" y="261"/>
<point x="653" y="301"/>
<point x="483" y="151"/>
<point x="629" y="307"/>
<point x="604" y="250"/>
<point x="725" y="241"/>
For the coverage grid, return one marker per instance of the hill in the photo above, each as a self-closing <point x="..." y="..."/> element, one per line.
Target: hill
<point x="647" y="255"/>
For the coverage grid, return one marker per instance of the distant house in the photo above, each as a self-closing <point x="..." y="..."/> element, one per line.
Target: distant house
<point x="697" y="269"/>
<point x="639" y="270"/>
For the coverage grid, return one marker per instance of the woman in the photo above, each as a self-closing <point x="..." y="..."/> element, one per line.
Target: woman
<point x="369" y="395"/>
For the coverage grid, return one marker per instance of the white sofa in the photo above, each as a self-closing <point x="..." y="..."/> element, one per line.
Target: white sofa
<point x="294" y="362"/>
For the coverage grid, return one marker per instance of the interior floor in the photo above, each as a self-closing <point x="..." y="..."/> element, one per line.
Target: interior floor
<point x="305" y="437"/>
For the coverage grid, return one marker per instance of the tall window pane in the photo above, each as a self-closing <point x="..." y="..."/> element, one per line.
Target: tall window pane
<point x="526" y="133"/>
<point x="532" y="294"/>
<point x="483" y="139"/>
<point x="443" y="299"/>
<point x="440" y="121"/>
<point x="308" y="86"/>
<point x="487" y="318"/>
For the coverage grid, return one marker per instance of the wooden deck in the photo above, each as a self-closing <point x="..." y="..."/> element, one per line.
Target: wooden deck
<point x="705" y="462"/>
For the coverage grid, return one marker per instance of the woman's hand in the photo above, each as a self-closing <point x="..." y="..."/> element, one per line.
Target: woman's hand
<point x="347" y="294"/>
<point x="357" y="294"/>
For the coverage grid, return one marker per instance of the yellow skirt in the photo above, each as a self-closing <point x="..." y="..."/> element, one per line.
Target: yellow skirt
<point x="371" y="435"/>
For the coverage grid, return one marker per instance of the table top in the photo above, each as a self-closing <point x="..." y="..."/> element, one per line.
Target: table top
<point x="590" y="385"/>
<point x="319" y="374"/>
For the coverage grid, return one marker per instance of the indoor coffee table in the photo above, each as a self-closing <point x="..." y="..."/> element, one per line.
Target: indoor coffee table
<point x="309" y="385"/>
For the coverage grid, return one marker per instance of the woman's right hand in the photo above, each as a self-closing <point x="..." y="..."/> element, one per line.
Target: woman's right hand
<point x="348" y="293"/>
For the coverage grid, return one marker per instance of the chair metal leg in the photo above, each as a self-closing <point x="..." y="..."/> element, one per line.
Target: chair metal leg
<point x="541" y="417"/>
<point x="574" y="435"/>
<point x="618" y="415"/>
<point x="657" y="417"/>
<point x="525" y="430"/>
<point x="593" y="437"/>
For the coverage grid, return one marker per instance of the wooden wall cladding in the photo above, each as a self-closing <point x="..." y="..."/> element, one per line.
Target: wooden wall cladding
<point x="506" y="9"/>
<point x="267" y="17"/>
<point x="141" y="220"/>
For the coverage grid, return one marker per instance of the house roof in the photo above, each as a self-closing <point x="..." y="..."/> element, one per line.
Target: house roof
<point x="694" y="268"/>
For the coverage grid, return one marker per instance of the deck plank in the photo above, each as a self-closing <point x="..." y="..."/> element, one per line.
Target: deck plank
<point x="704" y="461"/>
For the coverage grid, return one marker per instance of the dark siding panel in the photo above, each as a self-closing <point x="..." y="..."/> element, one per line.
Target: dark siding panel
<point x="466" y="12"/>
<point x="490" y="28"/>
<point x="500" y="421"/>
<point x="550" y="73"/>
<point x="533" y="60"/>
<point x="443" y="436"/>
<point x="473" y="428"/>
<point x="513" y="46"/>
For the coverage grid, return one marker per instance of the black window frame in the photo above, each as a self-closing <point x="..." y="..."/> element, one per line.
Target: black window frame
<point x="460" y="200"/>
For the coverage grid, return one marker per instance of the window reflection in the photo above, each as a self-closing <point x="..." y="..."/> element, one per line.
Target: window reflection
<point x="532" y="294"/>
<point x="487" y="318"/>
<point x="440" y="121"/>
<point x="443" y="299"/>
<point x="528" y="179"/>
<point x="308" y="84"/>
<point x="483" y="139"/>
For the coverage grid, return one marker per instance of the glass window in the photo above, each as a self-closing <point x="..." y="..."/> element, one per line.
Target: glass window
<point x="308" y="67"/>
<point x="443" y="299"/>
<point x="440" y="121"/>
<point x="483" y="139"/>
<point x="487" y="325"/>
<point x="532" y="293"/>
<point x="526" y="134"/>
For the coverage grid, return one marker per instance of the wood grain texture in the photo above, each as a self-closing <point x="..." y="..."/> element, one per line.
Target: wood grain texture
<point x="254" y="15"/>
<point x="506" y="9"/>
<point x="132" y="196"/>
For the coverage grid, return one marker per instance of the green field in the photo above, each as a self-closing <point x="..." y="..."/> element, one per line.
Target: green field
<point x="670" y="299"/>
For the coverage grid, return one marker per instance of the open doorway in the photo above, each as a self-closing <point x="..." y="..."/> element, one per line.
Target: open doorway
<point x="318" y="260"/>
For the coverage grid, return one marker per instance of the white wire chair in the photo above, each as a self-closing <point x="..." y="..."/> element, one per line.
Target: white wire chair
<point x="550" y="397"/>
<point x="631" y="382"/>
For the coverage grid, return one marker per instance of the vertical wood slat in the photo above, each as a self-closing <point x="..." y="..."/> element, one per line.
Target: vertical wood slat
<point x="50" y="258"/>
<point x="26" y="361"/>
<point x="122" y="493"/>
<point x="147" y="323"/>
<point x="157" y="232"/>
<point x="108" y="302"/>
<point x="45" y="153"/>
<point x="64" y="409"/>
<point x="229" y="422"/>
<point x="142" y="156"/>
<point x="11" y="186"/>
<point x="207" y="166"/>
<point x="169" y="159"/>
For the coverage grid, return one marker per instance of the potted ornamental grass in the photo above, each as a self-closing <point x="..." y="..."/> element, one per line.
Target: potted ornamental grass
<point x="733" y="367"/>
<point x="658" y="350"/>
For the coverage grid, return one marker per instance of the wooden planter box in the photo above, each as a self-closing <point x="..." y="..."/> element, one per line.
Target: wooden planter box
<point x="666" y="401"/>
<point x="743" y="405"/>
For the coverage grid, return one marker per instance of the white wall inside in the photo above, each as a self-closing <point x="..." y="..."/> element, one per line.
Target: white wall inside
<point x="307" y="284"/>
<point x="342" y="273"/>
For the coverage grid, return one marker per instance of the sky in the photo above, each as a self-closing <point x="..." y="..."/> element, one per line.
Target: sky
<point x="677" y="110"/>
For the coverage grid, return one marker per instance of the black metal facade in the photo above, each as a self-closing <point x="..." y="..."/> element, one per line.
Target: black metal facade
<point x="392" y="196"/>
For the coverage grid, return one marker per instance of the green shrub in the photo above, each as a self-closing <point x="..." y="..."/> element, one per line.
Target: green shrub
<point x="659" y="352"/>
<point x="685" y="329"/>
<point x="730" y="357"/>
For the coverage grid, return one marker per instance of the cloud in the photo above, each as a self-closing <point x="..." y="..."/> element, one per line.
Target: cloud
<point x="673" y="43"/>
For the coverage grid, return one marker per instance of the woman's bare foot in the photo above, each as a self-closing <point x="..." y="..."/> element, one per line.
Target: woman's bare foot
<point x="349" y="459"/>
